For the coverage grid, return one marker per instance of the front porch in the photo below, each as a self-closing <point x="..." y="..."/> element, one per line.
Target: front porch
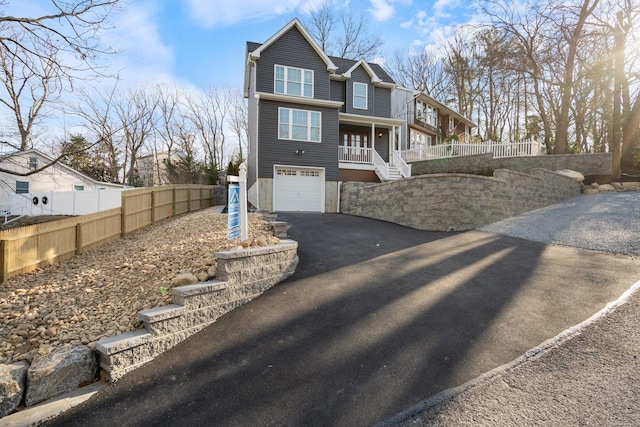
<point x="369" y="144"/>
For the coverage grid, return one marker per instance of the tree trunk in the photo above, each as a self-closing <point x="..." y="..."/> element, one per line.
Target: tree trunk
<point x="616" y="131"/>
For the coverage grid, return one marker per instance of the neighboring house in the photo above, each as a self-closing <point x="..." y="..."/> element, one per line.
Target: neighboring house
<point x="58" y="177"/>
<point x="428" y="122"/>
<point x="316" y="121"/>
<point x="152" y="168"/>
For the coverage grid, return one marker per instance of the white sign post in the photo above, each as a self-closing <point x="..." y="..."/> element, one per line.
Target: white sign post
<point x="241" y="199"/>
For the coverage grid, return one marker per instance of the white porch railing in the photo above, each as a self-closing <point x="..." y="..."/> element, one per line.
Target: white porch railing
<point x="381" y="166"/>
<point x="355" y="155"/>
<point x="499" y="149"/>
<point x="370" y="156"/>
<point x="398" y="162"/>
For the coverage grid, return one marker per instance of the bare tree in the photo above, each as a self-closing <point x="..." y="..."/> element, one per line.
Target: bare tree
<point x="97" y="113"/>
<point x="137" y="114"/>
<point x="29" y="83"/>
<point x="422" y="70"/>
<point x="207" y="112"/>
<point x="41" y="54"/>
<point x="343" y="33"/>
<point x="239" y="120"/>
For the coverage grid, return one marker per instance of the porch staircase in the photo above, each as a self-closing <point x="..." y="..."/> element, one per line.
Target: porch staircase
<point x="393" y="173"/>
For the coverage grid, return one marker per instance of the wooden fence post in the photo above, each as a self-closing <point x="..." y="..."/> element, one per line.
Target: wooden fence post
<point x="123" y="208"/>
<point x="4" y="260"/>
<point x="173" y="203"/>
<point x="153" y="206"/>
<point x="79" y="238"/>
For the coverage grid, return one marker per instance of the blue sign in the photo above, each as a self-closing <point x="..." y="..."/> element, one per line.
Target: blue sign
<point x="233" y="210"/>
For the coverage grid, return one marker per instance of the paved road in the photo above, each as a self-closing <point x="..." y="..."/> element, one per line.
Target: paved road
<point x="377" y="318"/>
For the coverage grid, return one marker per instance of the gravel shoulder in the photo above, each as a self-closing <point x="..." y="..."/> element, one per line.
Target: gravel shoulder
<point x="97" y="294"/>
<point x="588" y="374"/>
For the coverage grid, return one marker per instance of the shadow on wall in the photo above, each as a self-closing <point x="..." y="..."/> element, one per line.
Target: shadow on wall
<point x="456" y="202"/>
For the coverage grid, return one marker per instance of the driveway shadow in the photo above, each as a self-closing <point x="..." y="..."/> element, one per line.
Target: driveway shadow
<point x="377" y="318"/>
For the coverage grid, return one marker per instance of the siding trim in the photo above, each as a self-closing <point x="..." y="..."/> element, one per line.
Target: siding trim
<point x="360" y="119"/>
<point x="298" y="100"/>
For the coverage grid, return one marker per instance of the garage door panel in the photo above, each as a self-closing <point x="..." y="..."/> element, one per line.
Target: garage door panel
<point x="298" y="190"/>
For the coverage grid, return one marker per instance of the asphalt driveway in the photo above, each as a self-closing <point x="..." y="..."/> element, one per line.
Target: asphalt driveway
<point x="377" y="318"/>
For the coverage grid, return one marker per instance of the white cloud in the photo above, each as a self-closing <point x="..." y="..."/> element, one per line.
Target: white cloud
<point x="406" y="25"/>
<point x="382" y="10"/>
<point x="214" y="13"/>
<point x="443" y="8"/>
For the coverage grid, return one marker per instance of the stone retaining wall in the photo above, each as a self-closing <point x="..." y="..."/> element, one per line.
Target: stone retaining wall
<point x="243" y="275"/>
<point x="456" y="202"/>
<point x="485" y="164"/>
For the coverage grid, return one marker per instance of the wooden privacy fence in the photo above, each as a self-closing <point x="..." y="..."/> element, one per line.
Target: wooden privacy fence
<point x="27" y="248"/>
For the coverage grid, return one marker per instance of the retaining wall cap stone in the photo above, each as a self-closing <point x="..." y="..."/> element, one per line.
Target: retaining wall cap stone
<point x="280" y="247"/>
<point x="118" y="343"/>
<point x="199" y="288"/>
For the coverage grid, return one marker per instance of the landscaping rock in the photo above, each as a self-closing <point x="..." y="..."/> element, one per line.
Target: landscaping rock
<point x="94" y="295"/>
<point x="590" y="191"/>
<point x="184" y="279"/>
<point x="61" y="371"/>
<point x="12" y="385"/>
<point x="606" y="188"/>
<point x="571" y="174"/>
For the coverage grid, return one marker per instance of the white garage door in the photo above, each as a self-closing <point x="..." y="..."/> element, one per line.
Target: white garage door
<point x="298" y="190"/>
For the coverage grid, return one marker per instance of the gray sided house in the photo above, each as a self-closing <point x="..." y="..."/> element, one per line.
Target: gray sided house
<point x="315" y="121"/>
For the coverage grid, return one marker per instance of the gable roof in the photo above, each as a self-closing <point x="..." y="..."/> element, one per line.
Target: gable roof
<point x="60" y="165"/>
<point x="377" y="73"/>
<point x="255" y="53"/>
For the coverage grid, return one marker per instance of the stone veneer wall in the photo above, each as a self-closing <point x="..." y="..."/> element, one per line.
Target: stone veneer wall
<point x="242" y="275"/>
<point x="485" y="164"/>
<point x="456" y="202"/>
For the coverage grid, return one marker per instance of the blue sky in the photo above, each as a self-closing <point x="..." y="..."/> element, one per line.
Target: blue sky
<point x="201" y="43"/>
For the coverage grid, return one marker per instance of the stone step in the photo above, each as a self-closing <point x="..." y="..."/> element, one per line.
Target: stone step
<point x="199" y="295"/>
<point x="156" y="319"/>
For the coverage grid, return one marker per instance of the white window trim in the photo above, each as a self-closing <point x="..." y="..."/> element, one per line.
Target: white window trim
<point x="286" y="81"/>
<point x="366" y="95"/>
<point x="309" y="127"/>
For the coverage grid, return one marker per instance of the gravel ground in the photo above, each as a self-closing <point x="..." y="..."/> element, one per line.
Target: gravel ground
<point x="603" y="222"/>
<point x="97" y="294"/>
<point x="587" y="375"/>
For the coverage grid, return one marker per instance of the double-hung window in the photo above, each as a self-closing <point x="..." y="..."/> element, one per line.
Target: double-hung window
<point x="293" y="81"/>
<point x="360" y="95"/>
<point x="299" y="125"/>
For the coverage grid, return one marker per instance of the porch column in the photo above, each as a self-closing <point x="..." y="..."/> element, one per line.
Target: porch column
<point x="373" y="136"/>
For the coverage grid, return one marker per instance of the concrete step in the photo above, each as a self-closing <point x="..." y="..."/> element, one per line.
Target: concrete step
<point x="198" y="295"/>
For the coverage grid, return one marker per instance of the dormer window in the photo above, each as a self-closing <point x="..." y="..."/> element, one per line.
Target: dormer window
<point x="360" y="95"/>
<point x="293" y="81"/>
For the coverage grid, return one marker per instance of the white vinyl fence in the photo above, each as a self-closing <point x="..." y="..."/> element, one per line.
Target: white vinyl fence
<point x="499" y="149"/>
<point x="65" y="202"/>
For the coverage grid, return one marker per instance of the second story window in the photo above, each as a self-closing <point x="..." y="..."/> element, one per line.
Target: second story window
<point x="360" y="96"/>
<point x="451" y="125"/>
<point x="299" y="125"/>
<point x="293" y="81"/>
